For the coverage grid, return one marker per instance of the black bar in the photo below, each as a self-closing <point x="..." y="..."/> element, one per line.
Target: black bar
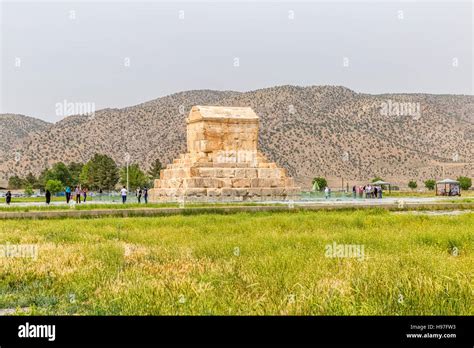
<point x="289" y="331"/>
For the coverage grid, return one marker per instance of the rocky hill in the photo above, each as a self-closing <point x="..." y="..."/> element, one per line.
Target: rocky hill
<point x="13" y="128"/>
<point x="319" y="130"/>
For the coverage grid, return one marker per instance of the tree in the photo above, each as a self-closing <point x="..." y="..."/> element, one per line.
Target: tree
<point x="61" y="172"/>
<point x="154" y="172"/>
<point x="29" y="190"/>
<point x="44" y="177"/>
<point x="136" y="177"/>
<point x="319" y="183"/>
<point x="75" y="169"/>
<point x="100" y="172"/>
<point x="464" y="182"/>
<point x="412" y="184"/>
<point x="31" y="180"/>
<point x="85" y="178"/>
<point x="54" y="186"/>
<point x="377" y="178"/>
<point x="430" y="184"/>
<point x="15" y="182"/>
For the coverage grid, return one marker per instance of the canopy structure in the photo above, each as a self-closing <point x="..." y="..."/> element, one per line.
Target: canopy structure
<point x="380" y="183"/>
<point x="449" y="187"/>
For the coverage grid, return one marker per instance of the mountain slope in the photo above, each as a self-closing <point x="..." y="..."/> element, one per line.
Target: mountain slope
<point x="319" y="130"/>
<point x="13" y="128"/>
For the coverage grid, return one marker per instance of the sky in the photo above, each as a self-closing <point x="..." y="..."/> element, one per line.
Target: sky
<point x="116" y="54"/>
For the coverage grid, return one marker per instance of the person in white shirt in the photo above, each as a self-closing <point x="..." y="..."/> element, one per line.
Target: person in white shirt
<point x="123" y="192"/>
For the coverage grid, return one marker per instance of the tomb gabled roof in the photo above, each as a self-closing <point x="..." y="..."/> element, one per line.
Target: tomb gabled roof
<point x="199" y="112"/>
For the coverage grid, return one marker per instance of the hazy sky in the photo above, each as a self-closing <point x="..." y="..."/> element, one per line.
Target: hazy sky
<point x="116" y="54"/>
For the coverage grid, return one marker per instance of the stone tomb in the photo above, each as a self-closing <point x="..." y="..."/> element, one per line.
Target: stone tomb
<point x="222" y="162"/>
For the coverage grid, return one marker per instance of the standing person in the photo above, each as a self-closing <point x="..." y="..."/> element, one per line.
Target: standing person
<point x="48" y="197"/>
<point x="326" y="192"/>
<point x="354" y="193"/>
<point x="8" y="197"/>
<point x="375" y="192"/>
<point x="123" y="193"/>
<point x="139" y="194"/>
<point x="145" y="194"/>
<point x="84" y="192"/>
<point x="78" y="194"/>
<point x="380" y="192"/>
<point x="68" y="194"/>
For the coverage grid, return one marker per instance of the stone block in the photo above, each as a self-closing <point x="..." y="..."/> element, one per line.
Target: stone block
<point x="222" y="162"/>
<point x="241" y="182"/>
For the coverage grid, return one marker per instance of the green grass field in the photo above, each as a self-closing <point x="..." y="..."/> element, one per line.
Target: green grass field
<point x="239" y="264"/>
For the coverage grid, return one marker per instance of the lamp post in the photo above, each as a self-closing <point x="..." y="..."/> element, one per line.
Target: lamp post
<point x="127" y="160"/>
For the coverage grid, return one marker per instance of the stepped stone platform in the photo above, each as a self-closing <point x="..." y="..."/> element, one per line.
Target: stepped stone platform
<point x="222" y="162"/>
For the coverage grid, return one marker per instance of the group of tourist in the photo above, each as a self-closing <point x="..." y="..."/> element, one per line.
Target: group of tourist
<point x="367" y="191"/>
<point x="78" y="192"/>
<point x="327" y="192"/>
<point x="139" y="193"/>
<point x="78" y="195"/>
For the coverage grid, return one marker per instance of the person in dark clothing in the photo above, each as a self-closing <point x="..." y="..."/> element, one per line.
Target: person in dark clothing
<point x="68" y="194"/>
<point x="48" y="197"/>
<point x="8" y="197"/>
<point x="139" y="194"/>
<point x="145" y="194"/>
<point x="78" y="195"/>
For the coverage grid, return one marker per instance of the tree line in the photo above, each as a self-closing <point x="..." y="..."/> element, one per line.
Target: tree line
<point x="99" y="173"/>
<point x="319" y="183"/>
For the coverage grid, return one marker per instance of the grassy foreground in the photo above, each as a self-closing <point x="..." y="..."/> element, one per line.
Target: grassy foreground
<point x="260" y="263"/>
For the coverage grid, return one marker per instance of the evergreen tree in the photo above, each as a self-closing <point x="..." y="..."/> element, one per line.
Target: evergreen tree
<point x="464" y="182"/>
<point x="100" y="172"/>
<point x="430" y="184"/>
<point x="154" y="172"/>
<point x="75" y="169"/>
<point x="15" y="182"/>
<point x="136" y="177"/>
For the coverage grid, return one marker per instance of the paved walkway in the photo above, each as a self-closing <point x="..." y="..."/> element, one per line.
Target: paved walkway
<point x="318" y="201"/>
<point x="394" y="204"/>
